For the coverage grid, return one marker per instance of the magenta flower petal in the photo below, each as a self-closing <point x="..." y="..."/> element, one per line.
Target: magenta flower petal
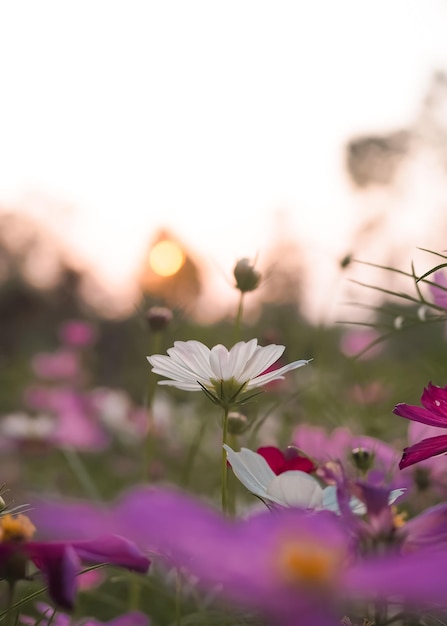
<point x="281" y="463"/>
<point x="112" y="549"/>
<point x="427" y="529"/>
<point x="423" y="450"/>
<point x="419" y="414"/>
<point x="434" y="399"/>
<point x="60" y="565"/>
<point x="274" y="457"/>
<point x="70" y="519"/>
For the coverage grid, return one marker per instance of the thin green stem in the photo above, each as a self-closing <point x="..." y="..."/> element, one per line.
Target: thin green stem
<point x="80" y="471"/>
<point x="134" y="591"/>
<point x="232" y="442"/>
<point x="192" y="453"/>
<point x="224" y="463"/>
<point x="178" y="599"/>
<point x="149" y="401"/>
<point x="10" y="603"/>
<point x="238" y="320"/>
<point x="155" y="348"/>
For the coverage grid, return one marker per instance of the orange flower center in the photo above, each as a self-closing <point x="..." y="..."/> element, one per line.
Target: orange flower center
<point x="18" y="528"/>
<point x="309" y="563"/>
<point x="399" y="519"/>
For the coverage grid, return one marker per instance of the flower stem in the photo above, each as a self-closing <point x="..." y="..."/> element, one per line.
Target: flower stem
<point x="80" y="471"/>
<point x="238" y="320"/>
<point x="134" y="591"/>
<point x="230" y="480"/>
<point x="150" y="443"/>
<point x="10" y="601"/>
<point x="178" y="595"/>
<point x="224" y="463"/>
<point x="192" y="453"/>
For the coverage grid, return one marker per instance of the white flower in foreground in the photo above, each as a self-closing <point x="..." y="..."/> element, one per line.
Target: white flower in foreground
<point x="292" y="488"/>
<point x="223" y="374"/>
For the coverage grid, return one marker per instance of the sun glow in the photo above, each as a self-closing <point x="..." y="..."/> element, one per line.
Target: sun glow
<point x="166" y="258"/>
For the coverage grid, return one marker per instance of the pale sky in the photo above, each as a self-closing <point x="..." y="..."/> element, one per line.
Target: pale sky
<point x="209" y="118"/>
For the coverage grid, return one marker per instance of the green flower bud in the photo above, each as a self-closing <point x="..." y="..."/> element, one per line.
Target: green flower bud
<point x="247" y="278"/>
<point x="237" y="423"/>
<point x="362" y="459"/>
<point x="346" y="261"/>
<point x="158" y="318"/>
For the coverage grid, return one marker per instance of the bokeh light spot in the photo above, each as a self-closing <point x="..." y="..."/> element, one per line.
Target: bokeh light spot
<point x="166" y="258"/>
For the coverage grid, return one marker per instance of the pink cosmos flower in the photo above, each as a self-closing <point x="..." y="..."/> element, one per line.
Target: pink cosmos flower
<point x="77" y="333"/>
<point x="433" y="413"/>
<point x="77" y="423"/>
<point x="439" y="290"/>
<point x="291" y="567"/>
<point x="59" y="365"/>
<point x="60" y="561"/>
<point x="341" y="444"/>
<point x="354" y="342"/>
<point x="428" y="477"/>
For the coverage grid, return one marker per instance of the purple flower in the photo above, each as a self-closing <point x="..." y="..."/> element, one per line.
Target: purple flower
<point x="433" y="413"/>
<point x="290" y="566"/>
<point x="60" y="561"/>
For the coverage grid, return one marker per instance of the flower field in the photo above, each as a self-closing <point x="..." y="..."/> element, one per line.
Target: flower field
<point x="257" y="470"/>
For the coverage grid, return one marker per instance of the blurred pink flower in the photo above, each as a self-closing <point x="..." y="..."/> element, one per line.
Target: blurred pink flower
<point x="439" y="291"/>
<point x="77" y="423"/>
<point x="117" y="412"/>
<point x="75" y="418"/>
<point x="77" y="333"/>
<point x="59" y="365"/>
<point x="37" y="397"/>
<point x="353" y="342"/>
<point x="90" y="579"/>
<point x="339" y="446"/>
<point x="370" y="393"/>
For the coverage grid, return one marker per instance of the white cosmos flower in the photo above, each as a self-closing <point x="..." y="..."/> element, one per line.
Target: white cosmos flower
<point x="192" y="366"/>
<point x="292" y="488"/>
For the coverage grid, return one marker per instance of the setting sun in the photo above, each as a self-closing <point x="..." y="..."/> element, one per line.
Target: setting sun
<point x="166" y="258"/>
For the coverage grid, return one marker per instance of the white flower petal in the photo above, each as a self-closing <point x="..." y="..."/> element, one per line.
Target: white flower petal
<point x="395" y="494"/>
<point x="172" y="370"/>
<point x="330" y="502"/>
<point x="261" y="360"/>
<point x="194" y="355"/>
<point x="275" y="374"/>
<point x="240" y="354"/>
<point x="181" y="385"/>
<point x="296" y="488"/>
<point x="251" y="469"/>
<point x="188" y="363"/>
<point x="219" y="361"/>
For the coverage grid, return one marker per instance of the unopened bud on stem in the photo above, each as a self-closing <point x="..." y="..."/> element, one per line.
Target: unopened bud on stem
<point x="247" y="278"/>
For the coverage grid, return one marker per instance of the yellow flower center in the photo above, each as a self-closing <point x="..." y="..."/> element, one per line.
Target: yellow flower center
<point x="309" y="563"/>
<point x="18" y="528"/>
<point x="399" y="519"/>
